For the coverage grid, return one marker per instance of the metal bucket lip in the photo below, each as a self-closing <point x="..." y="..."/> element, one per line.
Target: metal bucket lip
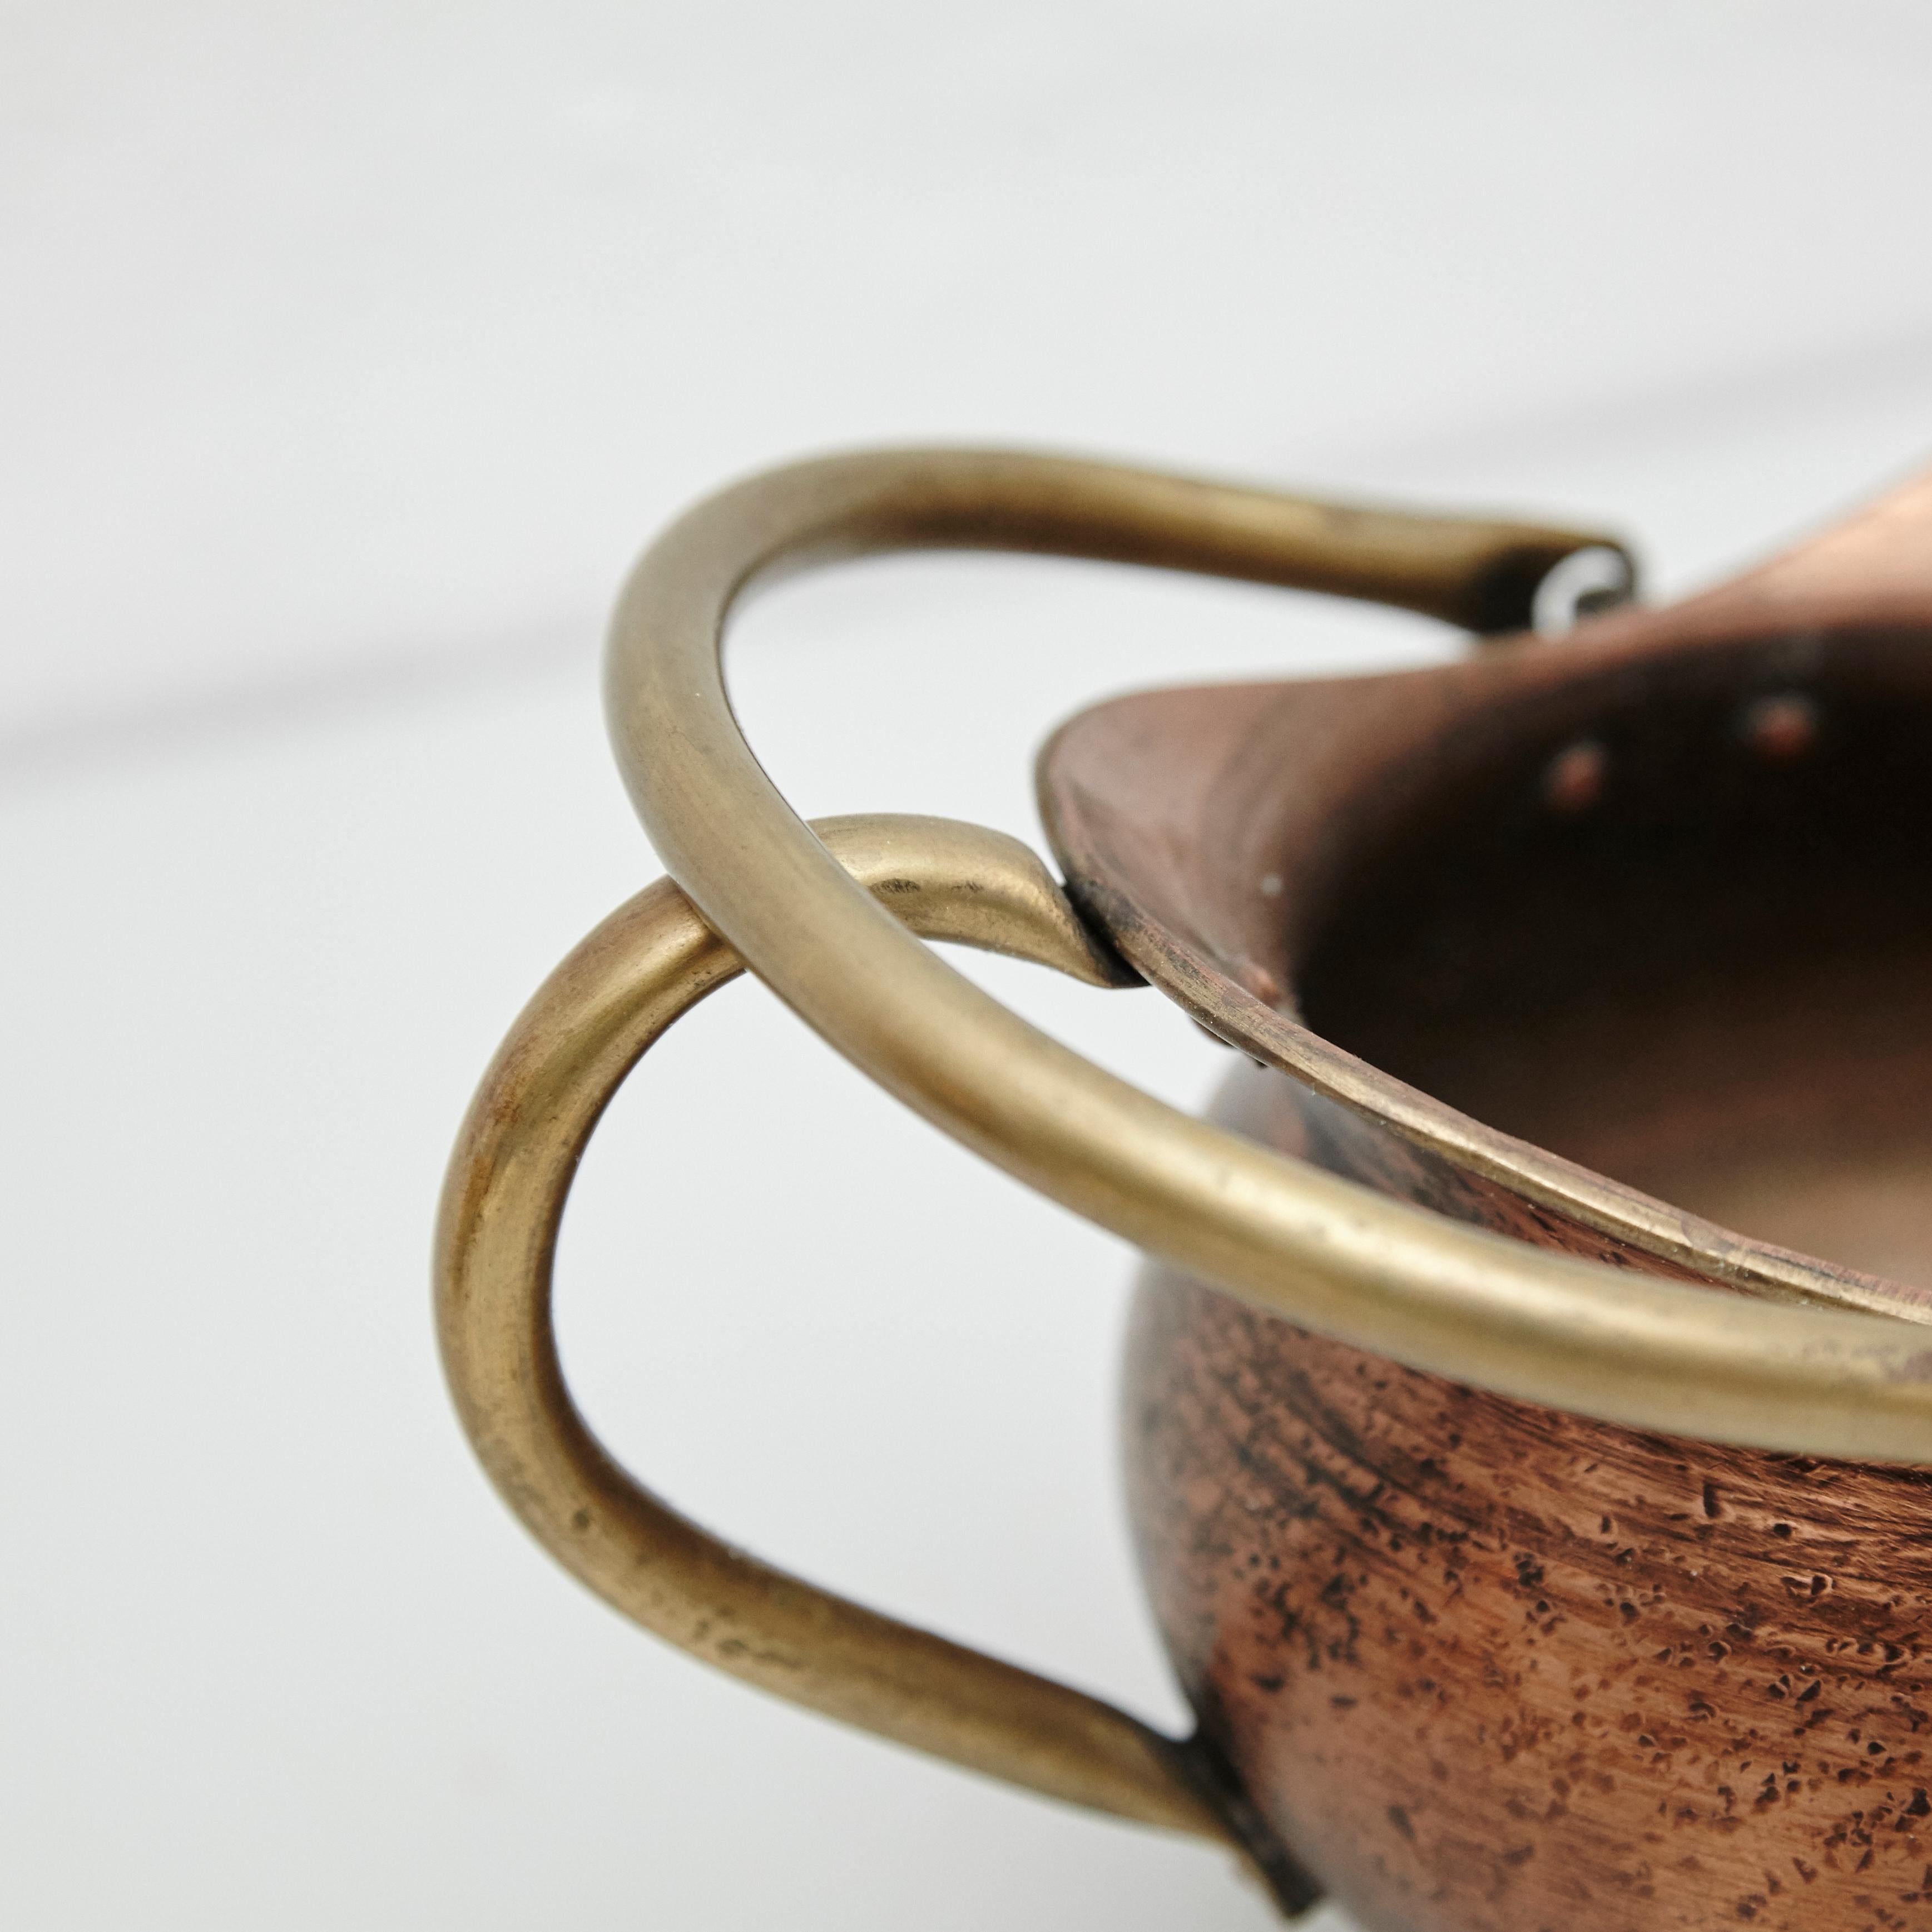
<point x="1195" y="826"/>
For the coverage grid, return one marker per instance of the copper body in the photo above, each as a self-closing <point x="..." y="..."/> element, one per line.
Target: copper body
<point x="1622" y="946"/>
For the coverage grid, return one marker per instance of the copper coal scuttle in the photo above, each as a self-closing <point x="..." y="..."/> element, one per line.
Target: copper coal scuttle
<point x="1535" y="1549"/>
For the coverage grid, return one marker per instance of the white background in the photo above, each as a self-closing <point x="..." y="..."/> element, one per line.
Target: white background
<point x="347" y="353"/>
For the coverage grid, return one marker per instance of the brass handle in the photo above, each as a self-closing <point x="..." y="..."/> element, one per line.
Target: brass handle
<point x="1333" y="1256"/>
<point x="652" y="961"/>
<point x="1325" y="1253"/>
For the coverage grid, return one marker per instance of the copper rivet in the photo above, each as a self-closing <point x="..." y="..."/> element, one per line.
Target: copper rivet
<point x="1782" y="727"/>
<point x="1574" y="781"/>
<point x="1260" y="981"/>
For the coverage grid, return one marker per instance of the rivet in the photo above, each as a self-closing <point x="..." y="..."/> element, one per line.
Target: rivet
<point x="1574" y="780"/>
<point x="1781" y="727"/>
<point x="1260" y="981"/>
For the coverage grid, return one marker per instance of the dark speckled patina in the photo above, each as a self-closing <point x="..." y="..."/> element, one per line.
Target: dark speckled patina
<point x="1496" y="1666"/>
<point x="1623" y="947"/>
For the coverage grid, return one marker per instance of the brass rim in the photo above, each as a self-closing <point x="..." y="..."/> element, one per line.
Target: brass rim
<point x="1328" y="1254"/>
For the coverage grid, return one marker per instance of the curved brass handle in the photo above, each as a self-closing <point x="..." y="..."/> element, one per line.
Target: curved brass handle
<point x="1325" y="1252"/>
<point x="652" y="960"/>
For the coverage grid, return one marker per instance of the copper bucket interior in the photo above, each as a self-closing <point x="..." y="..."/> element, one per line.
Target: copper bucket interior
<point x="1676" y="927"/>
<point x="1634" y="925"/>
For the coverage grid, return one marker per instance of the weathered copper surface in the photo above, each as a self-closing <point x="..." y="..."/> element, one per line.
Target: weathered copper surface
<point x="1623" y="946"/>
<point x="1490" y="1665"/>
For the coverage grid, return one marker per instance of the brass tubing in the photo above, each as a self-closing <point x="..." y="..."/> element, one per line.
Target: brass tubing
<point x="1332" y="1256"/>
<point x="574" y="1045"/>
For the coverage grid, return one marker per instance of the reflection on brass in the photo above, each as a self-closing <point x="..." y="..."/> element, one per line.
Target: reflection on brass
<point x="1436" y="1676"/>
